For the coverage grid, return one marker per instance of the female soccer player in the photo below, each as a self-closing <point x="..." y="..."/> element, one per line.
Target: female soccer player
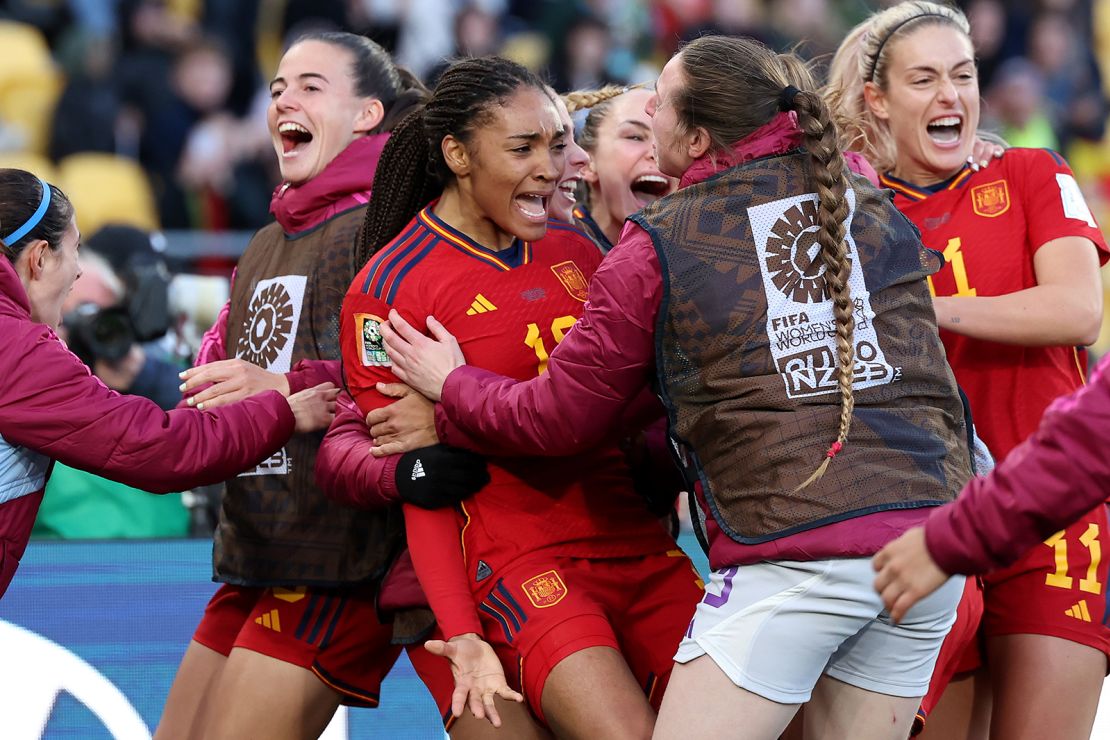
<point x="563" y="569"/>
<point x="1017" y="300"/>
<point x="769" y="327"/>
<point x="52" y="408"/>
<point x="622" y="176"/>
<point x="293" y="632"/>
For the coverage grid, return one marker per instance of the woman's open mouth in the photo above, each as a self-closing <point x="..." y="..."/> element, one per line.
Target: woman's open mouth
<point x="294" y="137"/>
<point x="647" y="189"/>
<point x="533" y="206"/>
<point x="945" y="131"/>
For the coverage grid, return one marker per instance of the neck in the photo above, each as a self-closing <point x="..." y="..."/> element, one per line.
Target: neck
<point x="460" y="211"/>
<point x="915" y="174"/>
<point x="608" y="225"/>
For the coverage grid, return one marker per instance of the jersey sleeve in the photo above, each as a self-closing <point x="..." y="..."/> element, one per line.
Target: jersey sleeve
<point x="436" y="550"/>
<point x="365" y="362"/>
<point x="1054" y="204"/>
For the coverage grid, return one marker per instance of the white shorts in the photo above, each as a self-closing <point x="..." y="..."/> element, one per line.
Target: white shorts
<point x="775" y="627"/>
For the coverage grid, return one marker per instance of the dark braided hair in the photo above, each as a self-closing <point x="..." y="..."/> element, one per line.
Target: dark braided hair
<point x="412" y="171"/>
<point x="732" y="87"/>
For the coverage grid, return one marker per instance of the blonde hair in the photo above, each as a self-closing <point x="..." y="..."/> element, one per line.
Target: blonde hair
<point x="864" y="56"/>
<point x="730" y="88"/>
<point x="577" y="100"/>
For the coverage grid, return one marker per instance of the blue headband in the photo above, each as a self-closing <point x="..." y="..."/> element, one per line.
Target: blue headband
<point x="33" y="221"/>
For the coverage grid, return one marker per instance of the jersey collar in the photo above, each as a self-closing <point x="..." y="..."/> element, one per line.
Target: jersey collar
<point x="520" y="253"/>
<point x="919" y="192"/>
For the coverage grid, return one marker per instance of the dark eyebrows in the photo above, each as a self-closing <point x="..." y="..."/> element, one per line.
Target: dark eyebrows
<point x="302" y="78"/>
<point x="931" y="68"/>
<point x="536" y="135"/>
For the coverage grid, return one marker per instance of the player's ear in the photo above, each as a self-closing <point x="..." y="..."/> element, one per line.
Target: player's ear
<point x="456" y="155"/>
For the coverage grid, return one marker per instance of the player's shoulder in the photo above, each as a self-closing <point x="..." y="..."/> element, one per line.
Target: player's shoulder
<point x="566" y="239"/>
<point x="1025" y="159"/>
<point x="400" y="264"/>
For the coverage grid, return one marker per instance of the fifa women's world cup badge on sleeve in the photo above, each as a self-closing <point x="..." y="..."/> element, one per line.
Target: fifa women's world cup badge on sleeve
<point x="371" y="349"/>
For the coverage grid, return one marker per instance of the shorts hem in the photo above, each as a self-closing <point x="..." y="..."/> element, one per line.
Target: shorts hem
<point x="1080" y="637"/>
<point x="905" y="691"/>
<point x="744" y="681"/>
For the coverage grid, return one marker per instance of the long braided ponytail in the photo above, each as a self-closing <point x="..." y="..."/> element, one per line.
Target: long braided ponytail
<point x="733" y="86"/>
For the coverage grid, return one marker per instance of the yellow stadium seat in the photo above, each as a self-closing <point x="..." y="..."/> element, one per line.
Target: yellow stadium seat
<point x="107" y="189"/>
<point x="30" y="83"/>
<point x="25" y="51"/>
<point x="36" y="164"/>
<point x="29" y="105"/>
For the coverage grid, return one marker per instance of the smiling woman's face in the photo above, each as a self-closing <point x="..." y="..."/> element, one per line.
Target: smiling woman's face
<point x="623" y="174"/>
<point x="314" y="111"/>
<point x="931" y="102"/>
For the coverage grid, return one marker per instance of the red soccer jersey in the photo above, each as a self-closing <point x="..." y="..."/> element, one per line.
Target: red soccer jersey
<point x="989" y="224"/>
<point x="507" y="309"/>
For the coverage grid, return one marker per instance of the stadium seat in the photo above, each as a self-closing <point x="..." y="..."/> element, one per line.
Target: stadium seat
<point x="30" y="83"/>
<point x="106" y="189"/>
<point x="33" y="163"/>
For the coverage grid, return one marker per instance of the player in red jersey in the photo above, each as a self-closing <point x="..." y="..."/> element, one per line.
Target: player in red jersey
<point x="562" y="568"/>
<point x="1017" y="300"/>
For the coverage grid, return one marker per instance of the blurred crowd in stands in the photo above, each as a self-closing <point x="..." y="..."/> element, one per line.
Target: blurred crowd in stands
<point x="179" y="86"/>
<point x="151" y="113"/>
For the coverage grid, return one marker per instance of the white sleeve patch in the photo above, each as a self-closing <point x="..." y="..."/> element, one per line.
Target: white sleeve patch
<point x="1072" y="197"/>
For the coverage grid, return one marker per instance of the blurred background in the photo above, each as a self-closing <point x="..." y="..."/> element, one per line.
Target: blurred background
<point x="150" y="114"/>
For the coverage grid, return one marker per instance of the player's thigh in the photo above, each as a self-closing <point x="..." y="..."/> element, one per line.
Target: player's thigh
<point x="840" y="710"/>
<point x="591" y="693"/>
<point x="517" y="723"/>
<point x="963" y="711"/>
<point x="1044" y="687"/>
<point x="186" y="709"/>
<point x="702" y="701"/>
<point x="259" y="696"/>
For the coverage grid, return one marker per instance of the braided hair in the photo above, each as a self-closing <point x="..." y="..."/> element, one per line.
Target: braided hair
<point x="412" y="170"/>
<point x="733" y="86"/>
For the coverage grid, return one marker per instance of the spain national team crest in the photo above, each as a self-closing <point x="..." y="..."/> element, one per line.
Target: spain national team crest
<point x="991" y="199"/>
<point x="546" y="589"/>
<point x="371" y="348"/>
<point x="572" y="279"/>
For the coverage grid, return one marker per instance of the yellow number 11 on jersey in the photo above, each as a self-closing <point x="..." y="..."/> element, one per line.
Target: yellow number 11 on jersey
<point x="954" y="257"/>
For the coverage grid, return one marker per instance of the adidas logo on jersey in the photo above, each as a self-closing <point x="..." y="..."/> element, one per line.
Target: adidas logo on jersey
<point x="481" y="304"/>
<point x="417" y="470"/>
<point x="1079" y="611"/>
<point x="484" y="571"/>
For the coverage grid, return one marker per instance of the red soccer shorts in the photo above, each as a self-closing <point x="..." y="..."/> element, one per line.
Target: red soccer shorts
<point x="1058" y="588"/>
<point x="335" y="633"/>
<point x="435" y="672"/>
<point x="960" y="651"/>
<point x="540" y="610"/>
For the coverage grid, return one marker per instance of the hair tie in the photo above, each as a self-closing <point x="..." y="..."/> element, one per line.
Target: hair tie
<point x="891" y="32"/>
<point x="786" y="97"/>
<point x="33" y="221"/>
<point x="835" y="448"/>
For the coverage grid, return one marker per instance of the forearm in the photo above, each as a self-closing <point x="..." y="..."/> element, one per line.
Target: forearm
<point x="437" y="557"/>
<point x="1044" y="315"/>
<point x="310" y="373"/>
<point x="346" y="471"/>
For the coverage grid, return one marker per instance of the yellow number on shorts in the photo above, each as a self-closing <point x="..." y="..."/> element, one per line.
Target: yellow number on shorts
<point x="1059" y="545"/>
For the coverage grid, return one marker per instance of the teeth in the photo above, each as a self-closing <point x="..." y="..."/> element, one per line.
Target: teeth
<point x="289" y="126"/>
<point x="652" y="178"/>
<point x="946" y="121"/>
<point x="538" y="201"/>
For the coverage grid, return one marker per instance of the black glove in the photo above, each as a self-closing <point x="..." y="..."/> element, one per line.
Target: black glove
<point x="439" y="476"/>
